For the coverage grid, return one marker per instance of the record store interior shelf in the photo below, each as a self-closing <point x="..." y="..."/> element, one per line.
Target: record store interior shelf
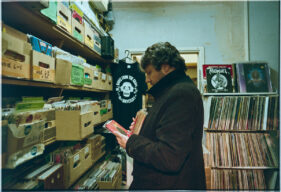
<point x="241" y="131"/>
<point x="21" y="82"/>
<point x="245" y="168"/>
<point x="240" y="94"/>
<point x="35" y="23"/>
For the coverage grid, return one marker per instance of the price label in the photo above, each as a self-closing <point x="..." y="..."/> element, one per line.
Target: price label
<point x="96" y="73"/>
<point x="86" y="150"/>
<point x="103" y="76"/>
<point x="76" y="158"/>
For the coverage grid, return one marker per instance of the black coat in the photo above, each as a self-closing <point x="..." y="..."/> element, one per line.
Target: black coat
<point x="168" y="151"/>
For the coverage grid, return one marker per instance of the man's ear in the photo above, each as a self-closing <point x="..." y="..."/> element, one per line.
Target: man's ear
<point x="165" y="68"/>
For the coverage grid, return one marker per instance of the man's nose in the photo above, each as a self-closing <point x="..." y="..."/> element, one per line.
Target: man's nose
<point x="147" y="80"/>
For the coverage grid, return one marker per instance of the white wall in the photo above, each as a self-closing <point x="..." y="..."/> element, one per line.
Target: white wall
<point x="220" y="27"/>
<point x="264" y="41"/>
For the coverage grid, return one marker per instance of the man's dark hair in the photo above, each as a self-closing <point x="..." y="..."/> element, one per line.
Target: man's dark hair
<point x="162" y="53"/>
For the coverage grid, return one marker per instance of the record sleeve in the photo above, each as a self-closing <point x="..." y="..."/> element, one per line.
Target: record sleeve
<point x="219" y="80"/>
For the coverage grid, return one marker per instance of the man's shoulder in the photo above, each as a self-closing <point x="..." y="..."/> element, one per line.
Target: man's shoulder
<point x="184" y="89"/>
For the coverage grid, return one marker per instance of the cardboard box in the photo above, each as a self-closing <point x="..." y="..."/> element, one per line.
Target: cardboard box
<point x="76" y="16"/>
<point x="51" y="11"/>
<point x="96" y="83"/>
<point x="63" y="72"/>
<point x="75" y="8"/>
<point x="97" y="143"/>
<point x="13" y="32"/>
<point x="53" y="178"/>
<point x="77" y="165"/>
<point x="40" y="45"/>
<point x="64" y="17"/>
<point x="115" y="183"/>
<point x="106" y="111"/>
<point x="89" y="35"/>
<point x="78" y="30"/>
<point x="108" y="82"/>
<point x="24" y="135"/>
<point x="96" y="113"/>
<point x="43" y="67"/>
<point x="97" y="43"/>
<point x="15" y="57"/>
<point x="81" y="125"/>
<point x="77" y="75"/>
<point x="103" y="80"/>
<point x="88" y="76"/>
<point x="32" y="116"/>
<point x="24" y="155"/>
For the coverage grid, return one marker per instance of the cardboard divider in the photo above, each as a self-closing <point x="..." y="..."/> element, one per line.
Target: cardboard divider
<point x="63" y="72"/>
<point x="64" y="17"/>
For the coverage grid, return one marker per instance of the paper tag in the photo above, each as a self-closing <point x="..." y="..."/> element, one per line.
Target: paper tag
<point x="86" y="150"/>
<point x="96" y="73"/>
<point x="109" y="106"/>
<point x="109" y="77"/>
<point x="103" y="76"/>
<point x="76" y="158"/>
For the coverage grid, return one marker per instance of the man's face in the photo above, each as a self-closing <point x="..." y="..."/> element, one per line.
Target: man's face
<point x="152" y="75"/>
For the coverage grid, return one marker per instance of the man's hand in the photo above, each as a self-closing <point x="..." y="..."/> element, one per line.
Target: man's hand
<point x="122" y="139"/>
<point x="132" y="124"/>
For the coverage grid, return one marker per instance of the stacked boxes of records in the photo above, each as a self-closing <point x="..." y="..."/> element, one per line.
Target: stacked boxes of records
<point x="76" y="160"/>
<point x="78" y="20"/>
<point x="28" y="57"/>
<point x="26" y="131"/>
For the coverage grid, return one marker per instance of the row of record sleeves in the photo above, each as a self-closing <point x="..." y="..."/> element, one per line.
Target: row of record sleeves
<point x="237" y="180"/>
<point x="242" y="150"/>
<point x="243" y="113"/>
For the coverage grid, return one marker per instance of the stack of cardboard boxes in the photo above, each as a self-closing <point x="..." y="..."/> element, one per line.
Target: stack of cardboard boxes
<point x="34" y="61"/>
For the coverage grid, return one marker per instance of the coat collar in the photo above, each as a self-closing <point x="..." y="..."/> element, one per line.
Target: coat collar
<point x="167" y="81"/>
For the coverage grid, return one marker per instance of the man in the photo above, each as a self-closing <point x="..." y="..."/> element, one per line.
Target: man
<point x="168" y="152"/>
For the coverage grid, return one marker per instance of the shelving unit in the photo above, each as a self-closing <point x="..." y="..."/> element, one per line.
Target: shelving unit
<point x="235" y="147"/>
<point x="33" y="22"/>
<point x="22" y="82"/>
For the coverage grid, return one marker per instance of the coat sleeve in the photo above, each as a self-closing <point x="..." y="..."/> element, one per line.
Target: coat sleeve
<point x="174" y="134"/>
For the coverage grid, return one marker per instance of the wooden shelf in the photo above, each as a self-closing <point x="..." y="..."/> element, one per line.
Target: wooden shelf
<point x="245" y="168"/>
<point x="22" y="82"/>
<point x="34" y="23"/>
<point x="240" y="94"/>
<point x="240" y="131"/>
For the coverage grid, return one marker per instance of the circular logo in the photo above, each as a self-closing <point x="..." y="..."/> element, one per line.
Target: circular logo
<point x="126" y="88"/>
<point x="219" y="81"/>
